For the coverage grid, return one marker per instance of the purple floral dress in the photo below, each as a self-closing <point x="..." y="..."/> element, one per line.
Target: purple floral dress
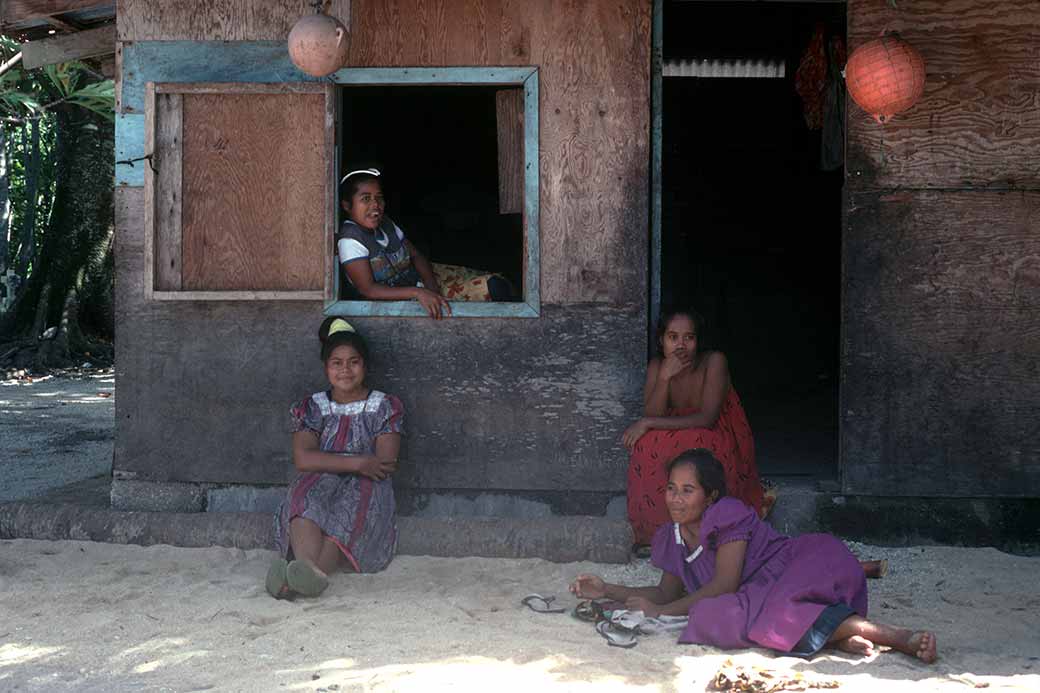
<point x="354" y="511"/>
<point x="793" y="591"/>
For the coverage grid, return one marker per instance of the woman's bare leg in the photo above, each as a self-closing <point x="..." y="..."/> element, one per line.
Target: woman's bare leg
<point x="330" y="557"/>
<point x="307" y="541"/>
<point x="858" y="635"/>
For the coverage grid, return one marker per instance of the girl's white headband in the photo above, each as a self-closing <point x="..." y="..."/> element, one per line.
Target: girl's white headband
<point x="369" y="171"/>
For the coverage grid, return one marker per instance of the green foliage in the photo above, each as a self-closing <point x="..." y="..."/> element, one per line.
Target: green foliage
<point x="73" y="112"/>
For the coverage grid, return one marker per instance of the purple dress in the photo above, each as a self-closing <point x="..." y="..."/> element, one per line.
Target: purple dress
<point x="356" y="512"/>
<point x="788" y="586"/>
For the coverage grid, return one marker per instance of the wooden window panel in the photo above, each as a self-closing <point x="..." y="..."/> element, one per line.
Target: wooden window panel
<point x="509" y="112"/>
<point x="241" y="192"/>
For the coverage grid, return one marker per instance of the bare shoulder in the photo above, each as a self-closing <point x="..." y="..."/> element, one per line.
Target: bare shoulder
<point x="715" y="359"/>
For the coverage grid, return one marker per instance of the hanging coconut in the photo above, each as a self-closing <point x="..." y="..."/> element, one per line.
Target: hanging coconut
<point x="318" y="44"/>
<point x="885" y="76"/>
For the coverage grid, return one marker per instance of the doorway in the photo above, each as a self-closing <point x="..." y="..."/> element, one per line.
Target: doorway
<point x="750" y="209"/>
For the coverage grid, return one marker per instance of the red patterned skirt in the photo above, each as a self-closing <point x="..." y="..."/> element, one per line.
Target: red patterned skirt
<point x="729" y="440"/>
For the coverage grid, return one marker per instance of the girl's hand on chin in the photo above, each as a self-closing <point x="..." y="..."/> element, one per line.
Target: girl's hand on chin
<point x="674" y="364"/>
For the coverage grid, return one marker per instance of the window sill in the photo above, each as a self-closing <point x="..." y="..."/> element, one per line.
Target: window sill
<point x="412" y="309"/>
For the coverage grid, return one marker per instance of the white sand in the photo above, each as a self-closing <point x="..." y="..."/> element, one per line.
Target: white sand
<point x="96" y="617"/>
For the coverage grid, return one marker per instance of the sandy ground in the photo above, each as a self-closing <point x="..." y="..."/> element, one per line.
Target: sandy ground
<point x="54" y="431"/>
<point x="97" y="617"/>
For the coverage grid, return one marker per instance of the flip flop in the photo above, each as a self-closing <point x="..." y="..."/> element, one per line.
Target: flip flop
<point x="641" y="550"/>
<point x="542" y="605"/>
<point x="276" y="583"/>
<point x="616" y="636"/>
<point x="589" y="611"/>
<point x="302" y="578"/>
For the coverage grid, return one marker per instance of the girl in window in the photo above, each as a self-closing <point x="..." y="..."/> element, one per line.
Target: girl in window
<point x="381" y="264"/>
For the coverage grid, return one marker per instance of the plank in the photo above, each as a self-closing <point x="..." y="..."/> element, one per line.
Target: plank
<point x="977" y="124"/>
<point x="167" y="158"/>
<point x="254" y="205"/>
<point x="61" y="49"/>
<point x="129" y="146"/>
<point x="17" y="11"/>
<point x="509" y="112"/>
<point x="209" y="20"/>
<point x="237" y="295"/>
<point x="208" y="61"/>
<point x="150" y="187"/>
<point x="940" y="356"/>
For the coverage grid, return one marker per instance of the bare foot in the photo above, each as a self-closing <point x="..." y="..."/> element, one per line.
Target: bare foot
<point x="856" y="645"/>
<point x="921" y="644"/>
<point x="874" y="569"/>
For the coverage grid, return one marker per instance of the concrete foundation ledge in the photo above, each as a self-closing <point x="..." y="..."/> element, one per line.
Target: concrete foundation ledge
<point x="560" y="539"/>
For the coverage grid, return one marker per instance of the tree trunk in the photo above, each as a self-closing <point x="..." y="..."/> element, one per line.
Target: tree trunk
<point x="40" y="316"/>
<point x="5" y="201"/>
<point x="27" y="244"/>
<point x="81" y="213"/>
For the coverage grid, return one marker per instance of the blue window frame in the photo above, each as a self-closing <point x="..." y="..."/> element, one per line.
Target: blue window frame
<point x="527" y="79"/>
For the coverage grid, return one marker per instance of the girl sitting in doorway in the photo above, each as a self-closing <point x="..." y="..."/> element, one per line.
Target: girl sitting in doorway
<point x="688" y="402"/>
<point x="743" y="585"/>
<point x="339" y="511"/>
<point x="381" y="264"/>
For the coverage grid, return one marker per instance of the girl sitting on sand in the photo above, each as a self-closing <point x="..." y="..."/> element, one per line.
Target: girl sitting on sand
<point x="339" y="511"/>
<point x="744" y="585"/>
<point x="382" y="265"/>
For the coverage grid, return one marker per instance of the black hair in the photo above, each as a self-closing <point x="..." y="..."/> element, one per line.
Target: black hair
<point x="349" y="186"/>
<point x="710" y="474"/>
<point x="671" y="312"/>
<point x="329" y="343"/>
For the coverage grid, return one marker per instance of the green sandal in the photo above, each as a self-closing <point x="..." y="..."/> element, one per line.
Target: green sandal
<point x="302" y="578"/>
<point x="277" y="584"/>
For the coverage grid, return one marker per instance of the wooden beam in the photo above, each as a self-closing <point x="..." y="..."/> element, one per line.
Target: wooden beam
<point x="60" y="49"/>
<point x="14" y="11"/>
<point x="64" y="25"/>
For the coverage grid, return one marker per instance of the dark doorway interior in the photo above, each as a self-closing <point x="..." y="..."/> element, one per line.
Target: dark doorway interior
<point x="751" y="225"/>
<point x="437" y="148"/>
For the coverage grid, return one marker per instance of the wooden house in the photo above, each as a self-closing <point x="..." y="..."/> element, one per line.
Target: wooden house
<point x="225" y="269"/>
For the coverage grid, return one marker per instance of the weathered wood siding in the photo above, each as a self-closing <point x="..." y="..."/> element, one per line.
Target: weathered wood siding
<point x="941" y="337"/>
<point x="978" y="123"/>
<point x="594" y="62"/>
<point x="491" y="403"/>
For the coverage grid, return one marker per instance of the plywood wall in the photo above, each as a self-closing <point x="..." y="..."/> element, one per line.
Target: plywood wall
<point x="594" y="62"/>
<point x="978" y="123"/>
<point x="214" y="20"/>
<point x="941" y="343"/>
<point x="490" y="403"/>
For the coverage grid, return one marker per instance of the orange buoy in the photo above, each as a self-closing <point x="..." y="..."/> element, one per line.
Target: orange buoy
<point x="318" y="44"/>
<point x="885" y="76"/>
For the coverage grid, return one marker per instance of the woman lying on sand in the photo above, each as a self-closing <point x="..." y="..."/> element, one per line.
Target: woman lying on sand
<point x="744" y="585"/>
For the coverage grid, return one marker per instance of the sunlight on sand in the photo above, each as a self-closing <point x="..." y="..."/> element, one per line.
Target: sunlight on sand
<point x="697" y="672"/>
<point x="159" y="653"/>
<point x="12" y="653"/>
<point x="463" y="674"/>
